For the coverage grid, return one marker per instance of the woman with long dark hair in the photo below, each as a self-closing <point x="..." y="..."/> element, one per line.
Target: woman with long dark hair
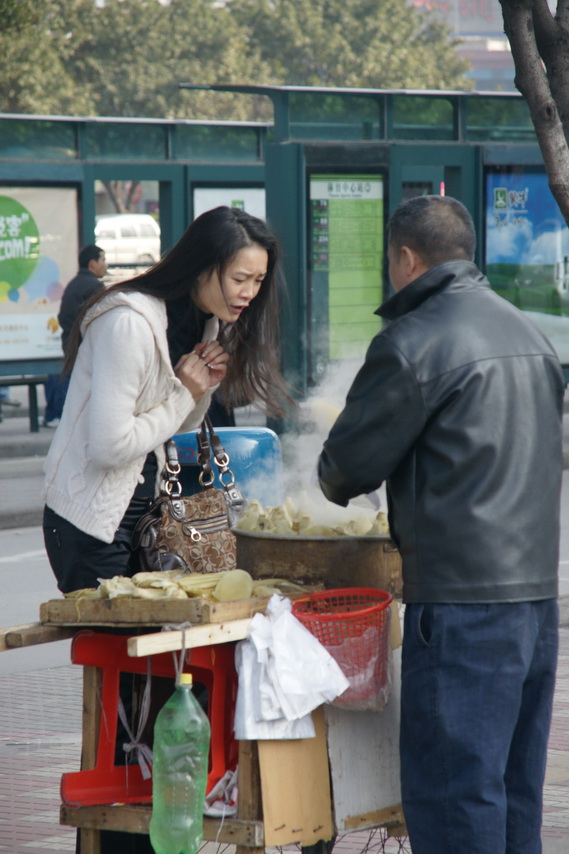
<point x="146" y="355"/>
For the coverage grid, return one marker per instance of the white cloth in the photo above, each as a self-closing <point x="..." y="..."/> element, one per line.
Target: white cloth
<point x="123" y="402"/>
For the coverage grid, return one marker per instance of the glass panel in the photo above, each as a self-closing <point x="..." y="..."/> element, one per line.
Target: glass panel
<point x="527" y="250"/>
<point x="250" y="199"/>
<point x="346" y="264"/>
<point x="498" y="119"/>
<point x="127" y="226"/>
<point x="423" y="117"/>
<point x="320" y="116"/>
<point x="410" y="189"/>
<point x="37" y="140"/>
<point x="116" y="141"/>
<point x="217" y="143"/>
<point x="38" y="256"/>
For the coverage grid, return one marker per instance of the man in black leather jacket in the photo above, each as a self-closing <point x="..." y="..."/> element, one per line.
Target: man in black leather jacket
<point x="458" y="407"/>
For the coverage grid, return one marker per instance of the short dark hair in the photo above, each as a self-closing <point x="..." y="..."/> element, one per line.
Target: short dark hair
<point x="91" y="252"/>
<point x="438" y="228"/>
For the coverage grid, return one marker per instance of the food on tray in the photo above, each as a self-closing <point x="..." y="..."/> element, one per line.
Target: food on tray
<point x="233" y="585"/>
<point x="117" y="587"/>
<point x="292" y="518"/>
<point x="84" y="593"/>
<point x="227" y="586"/>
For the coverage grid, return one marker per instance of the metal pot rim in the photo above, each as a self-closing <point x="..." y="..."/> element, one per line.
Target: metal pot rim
<point x="321" y="538"/>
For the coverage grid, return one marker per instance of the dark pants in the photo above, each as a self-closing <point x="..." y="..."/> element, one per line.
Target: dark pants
<point x="55" y="390"/>
<point x="476" y="704"/>
<point x="79" y="560"/>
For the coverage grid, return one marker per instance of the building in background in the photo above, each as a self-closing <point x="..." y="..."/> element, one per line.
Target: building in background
<point x="479" y="24"/>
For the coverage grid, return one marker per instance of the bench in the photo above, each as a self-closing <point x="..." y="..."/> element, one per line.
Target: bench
<point x="32" y="382"/>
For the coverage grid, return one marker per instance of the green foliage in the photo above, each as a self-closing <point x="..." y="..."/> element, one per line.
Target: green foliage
<point x="17" y="15"/>
<point x="354" y="43"/>
<point x="128" y="57"/>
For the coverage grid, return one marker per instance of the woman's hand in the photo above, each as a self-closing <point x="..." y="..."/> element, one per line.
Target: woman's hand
<point x="203" y="368"/>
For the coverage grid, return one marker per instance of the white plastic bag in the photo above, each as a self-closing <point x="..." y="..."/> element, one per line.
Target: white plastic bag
<point x="284" y="673"/>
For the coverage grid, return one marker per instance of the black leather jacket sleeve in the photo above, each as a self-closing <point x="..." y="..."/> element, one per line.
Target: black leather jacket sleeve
<point x="384" y="415"/>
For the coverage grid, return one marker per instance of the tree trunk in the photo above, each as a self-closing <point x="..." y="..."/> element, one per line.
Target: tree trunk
<point x="539" y="50"/>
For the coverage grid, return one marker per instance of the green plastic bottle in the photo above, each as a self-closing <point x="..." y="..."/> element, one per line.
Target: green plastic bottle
<point x="179" y="772"/>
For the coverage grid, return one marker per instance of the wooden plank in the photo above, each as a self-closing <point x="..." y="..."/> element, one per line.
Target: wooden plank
<point x="364" y="759"/>
<point x="90" y="838"/>
<point x="120" y="612"/>
<point x="207" y="635"/>
<point x="398" y="830"/>
<point x="390" y="817"/>
<point x="295" y="786"/>
<point x="249" y="791"/>
<point x="395" y="627"/>
<point x="91" y="720"/>
<point x="158" y="612"/>
<point x="31" y="634"/>
<point x="221" y="612"/>
<point x="135" y="818"/>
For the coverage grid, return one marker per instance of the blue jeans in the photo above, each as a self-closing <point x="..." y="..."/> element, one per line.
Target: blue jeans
<point x="55" y="393"/>
<point x="476" y="703"/>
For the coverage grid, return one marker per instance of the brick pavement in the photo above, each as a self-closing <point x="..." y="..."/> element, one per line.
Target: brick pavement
<point x="40" y="738"/>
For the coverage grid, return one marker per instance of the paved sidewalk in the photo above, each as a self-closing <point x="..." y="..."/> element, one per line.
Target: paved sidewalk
<point x="40" y="711"/>
<point x="40" y="739"/>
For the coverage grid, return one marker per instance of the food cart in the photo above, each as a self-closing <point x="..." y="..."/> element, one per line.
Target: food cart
<point x="300" y="791"/>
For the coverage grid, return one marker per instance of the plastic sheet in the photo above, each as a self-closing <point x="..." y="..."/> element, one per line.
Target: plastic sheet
<point x="284" y="673"/>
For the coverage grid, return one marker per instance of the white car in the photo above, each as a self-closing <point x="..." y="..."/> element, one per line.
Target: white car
<point x="128" y="238"/>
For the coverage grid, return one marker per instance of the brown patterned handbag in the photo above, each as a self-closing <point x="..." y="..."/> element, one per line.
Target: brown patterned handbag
<point x="191" y="533"/>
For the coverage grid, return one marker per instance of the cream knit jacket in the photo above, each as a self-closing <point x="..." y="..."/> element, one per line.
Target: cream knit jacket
<point x="123" y="402"/>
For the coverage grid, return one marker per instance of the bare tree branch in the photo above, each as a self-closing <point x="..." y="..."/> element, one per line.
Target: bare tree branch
<point x="552" y="39"/>
<point x="532" y="81"/>
<point x="562" y="13"/>
<point x="544" y="24"/>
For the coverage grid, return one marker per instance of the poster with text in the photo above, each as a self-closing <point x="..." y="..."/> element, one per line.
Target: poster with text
<point x="250" y="199"/>
<point x="346" y="262"/>
<point x="527" y="250"/>
<point x="38" y="256"/>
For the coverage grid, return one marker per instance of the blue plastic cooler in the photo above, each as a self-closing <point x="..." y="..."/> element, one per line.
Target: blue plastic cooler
<point x="255" y="459"/>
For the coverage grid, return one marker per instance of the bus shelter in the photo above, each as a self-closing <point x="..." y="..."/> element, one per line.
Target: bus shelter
<point x="326" y="172"/>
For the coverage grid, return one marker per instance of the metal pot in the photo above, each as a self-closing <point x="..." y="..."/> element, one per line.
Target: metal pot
<point x="335" y="561"/>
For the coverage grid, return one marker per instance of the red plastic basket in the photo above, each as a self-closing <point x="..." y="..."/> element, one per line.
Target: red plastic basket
<point x="353" y="624"/>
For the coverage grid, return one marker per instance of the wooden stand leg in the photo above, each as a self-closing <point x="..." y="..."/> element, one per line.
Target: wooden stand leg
<point x="90" y="839"/>
<point x="249" y="805"/>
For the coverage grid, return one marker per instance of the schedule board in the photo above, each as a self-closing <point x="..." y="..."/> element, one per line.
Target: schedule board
<point x="346" y="263"/>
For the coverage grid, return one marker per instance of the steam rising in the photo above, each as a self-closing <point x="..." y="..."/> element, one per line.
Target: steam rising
<point x="301" y="450"/>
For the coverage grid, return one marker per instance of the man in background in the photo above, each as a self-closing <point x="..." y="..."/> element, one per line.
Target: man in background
<point x="458" y="407"/>
<point x="92" y="268"/>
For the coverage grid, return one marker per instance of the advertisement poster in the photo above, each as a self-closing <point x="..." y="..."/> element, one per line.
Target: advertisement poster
<point x="346" y="249"/>
<point x="527" y="251"/>
<point x="38" y="256"/>
<point x="250" y="199"/>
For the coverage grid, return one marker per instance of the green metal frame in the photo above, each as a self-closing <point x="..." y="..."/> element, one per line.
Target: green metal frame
<point x="283" y="165"/>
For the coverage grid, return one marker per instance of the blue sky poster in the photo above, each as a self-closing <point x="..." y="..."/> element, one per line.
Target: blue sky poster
<point x="527" y="250"/>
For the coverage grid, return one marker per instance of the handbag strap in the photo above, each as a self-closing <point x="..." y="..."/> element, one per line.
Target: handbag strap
<point x="170" y="484"/>
<point x="208" y="438"/>
<point x="208" y="442"/>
